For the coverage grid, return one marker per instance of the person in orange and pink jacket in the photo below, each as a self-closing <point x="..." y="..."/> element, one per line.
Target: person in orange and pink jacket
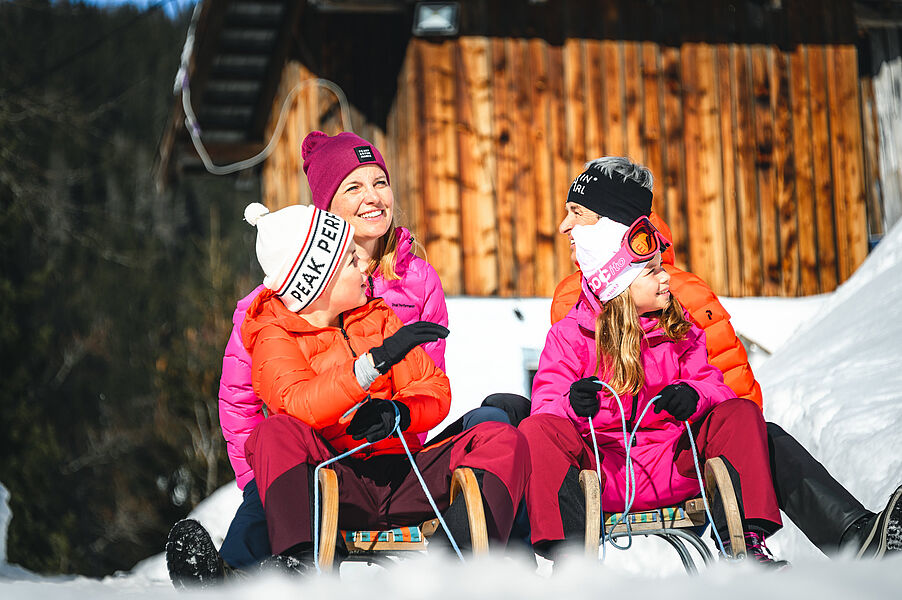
<point x="834" y="520"/>
<point x="335" y="368"/>
<point x="348" y="176"/>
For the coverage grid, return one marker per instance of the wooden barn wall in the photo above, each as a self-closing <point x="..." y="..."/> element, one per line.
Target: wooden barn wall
<point x="748" y="116"/>
<point x="881" y="102"/>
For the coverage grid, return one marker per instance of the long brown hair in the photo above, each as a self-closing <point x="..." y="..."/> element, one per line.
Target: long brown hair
<point x="618" y="337"/>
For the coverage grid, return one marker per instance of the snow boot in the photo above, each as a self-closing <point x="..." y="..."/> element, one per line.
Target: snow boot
<point x="758" y="551"/>
<point x="191" y="557"/>
<point x="878" y="534"/>
<point x="295" y="561"/>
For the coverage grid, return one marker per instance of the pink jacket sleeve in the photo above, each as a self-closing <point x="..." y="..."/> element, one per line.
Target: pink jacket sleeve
<point x="560" y="364"/>
<point x="434" y="310"/>
<point x="705" y="378"/>
<point x="240" y="410"/>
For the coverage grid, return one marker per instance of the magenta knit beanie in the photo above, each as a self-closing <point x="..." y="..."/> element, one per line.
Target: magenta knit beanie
<point x="328" y="160"/>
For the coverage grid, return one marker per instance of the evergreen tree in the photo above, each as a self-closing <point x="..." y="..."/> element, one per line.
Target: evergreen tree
<point x="115" y="301"/>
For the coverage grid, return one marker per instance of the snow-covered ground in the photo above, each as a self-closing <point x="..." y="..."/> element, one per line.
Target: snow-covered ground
<point x="831" y="373"/>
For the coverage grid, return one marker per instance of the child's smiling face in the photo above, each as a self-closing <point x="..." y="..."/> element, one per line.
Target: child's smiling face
<point x="348" y="289"/>
<point x="651" y="289"/>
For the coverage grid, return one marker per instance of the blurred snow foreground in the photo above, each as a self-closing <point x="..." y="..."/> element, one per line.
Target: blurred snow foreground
<point x="831" y="374"/>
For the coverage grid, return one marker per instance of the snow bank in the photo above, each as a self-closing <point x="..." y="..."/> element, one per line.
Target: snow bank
<point x="837" y="383"/>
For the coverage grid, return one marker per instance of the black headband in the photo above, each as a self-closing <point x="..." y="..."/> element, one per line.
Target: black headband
<point x="615" y="197"/>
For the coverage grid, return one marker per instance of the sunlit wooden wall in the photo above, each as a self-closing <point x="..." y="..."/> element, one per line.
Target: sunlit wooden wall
<point x="748" y="116"/>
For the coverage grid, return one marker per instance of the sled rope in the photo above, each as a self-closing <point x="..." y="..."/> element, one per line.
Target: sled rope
<point x="416" y="471"/>
<point x="629" y="493"/>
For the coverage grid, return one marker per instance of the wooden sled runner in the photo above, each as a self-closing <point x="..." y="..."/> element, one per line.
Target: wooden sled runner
<point x="384" y="546"/>
<point x="676" y="525"/>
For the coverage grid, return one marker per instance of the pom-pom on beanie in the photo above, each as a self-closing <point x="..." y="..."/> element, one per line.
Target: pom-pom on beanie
<point x="329" y="159"/>
<point x="299" y="249"/>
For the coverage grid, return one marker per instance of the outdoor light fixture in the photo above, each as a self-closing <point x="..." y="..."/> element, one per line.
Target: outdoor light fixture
<point x="436" y="18"/>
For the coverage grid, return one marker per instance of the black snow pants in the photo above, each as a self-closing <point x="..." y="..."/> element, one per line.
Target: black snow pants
<point x="812" y="499"/>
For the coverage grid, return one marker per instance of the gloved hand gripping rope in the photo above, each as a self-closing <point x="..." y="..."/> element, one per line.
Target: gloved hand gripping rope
<point x="630" y="475"/>
<point x="413" y="465"/>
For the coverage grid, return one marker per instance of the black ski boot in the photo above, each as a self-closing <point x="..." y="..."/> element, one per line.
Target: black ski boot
<point x="191" y="557"/>
<point x="878" y="534"/>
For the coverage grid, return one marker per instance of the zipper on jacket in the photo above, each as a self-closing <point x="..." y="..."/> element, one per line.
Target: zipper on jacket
<point x="372" y="286"/>
<point x="341" y="325"/>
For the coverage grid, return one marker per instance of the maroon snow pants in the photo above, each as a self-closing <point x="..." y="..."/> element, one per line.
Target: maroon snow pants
<point x="734" y="429"/>
<point x="381" y="491"/>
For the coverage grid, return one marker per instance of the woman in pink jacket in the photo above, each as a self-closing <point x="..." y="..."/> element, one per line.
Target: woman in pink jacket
<point x="628" y="331"/>
<point x="347" y="176"/>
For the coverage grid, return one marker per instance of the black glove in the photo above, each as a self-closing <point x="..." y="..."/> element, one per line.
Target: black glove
<point x="396" y="346"/>
<point x="375" y="420"/>
<point x="679" y="399"/>
<point x="584" y="396"/>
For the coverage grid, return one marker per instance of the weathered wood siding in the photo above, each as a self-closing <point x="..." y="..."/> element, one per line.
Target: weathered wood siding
<point x="881" y="99"/>
<point x="748" y="115"/>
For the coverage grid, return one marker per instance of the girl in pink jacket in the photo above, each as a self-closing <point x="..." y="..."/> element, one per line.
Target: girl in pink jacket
<point x="628" y="331"/>
<point x="347" y="176"/>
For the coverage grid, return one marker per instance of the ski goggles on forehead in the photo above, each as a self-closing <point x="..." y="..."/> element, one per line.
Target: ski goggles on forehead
<point x="643" y="240"/>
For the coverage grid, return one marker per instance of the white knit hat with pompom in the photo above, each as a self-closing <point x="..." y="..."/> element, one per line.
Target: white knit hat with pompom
<point x="299" y="249"/>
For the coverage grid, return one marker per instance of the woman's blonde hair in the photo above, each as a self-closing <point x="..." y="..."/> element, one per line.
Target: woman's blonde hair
<point x="386" y="254"/>
<point x="618" y="337"/>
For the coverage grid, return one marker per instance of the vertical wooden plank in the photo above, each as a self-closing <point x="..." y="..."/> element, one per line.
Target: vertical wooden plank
<point x="575" y="102"/>
<point x="479" y="235"/>
<point x="822" y="162"/>
<point x="632" y="23"/>
<point x="725" y="109"/>
<point x="524" y="184"/>
<point x="704" y="178"/>
<point x="307" y="120"/>
<point x="441" y="191"/>
<point x="800" y="92"/>
<point x="399" y="134"/>
<point x="764" y="156"/>
<point x="614" y="109"/>
<point x="675" y="156"/>
<point x="413" y="73"/>
<point x="595" y="101"/>
<point x="785" y="174"/>
<point x="871" y="142"/>
<point x="546" y="224"/>
<point x="651" y="133"/>
<point x="847" y="151"/>
<point x="560" y="155"/>
<point x="632" y="96"/>
<point x="505" y="164"/>
<point x="746" y="175"/>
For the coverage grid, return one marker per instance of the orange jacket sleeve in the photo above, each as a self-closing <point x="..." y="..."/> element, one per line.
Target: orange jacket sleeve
<point x="419" y="384"/>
